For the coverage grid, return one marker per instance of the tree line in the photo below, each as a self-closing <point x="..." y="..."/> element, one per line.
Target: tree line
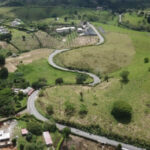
<point x="113" y="4"/>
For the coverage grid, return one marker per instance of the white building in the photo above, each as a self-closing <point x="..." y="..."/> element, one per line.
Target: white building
<point x="3" y="30"/>
<point x="16" y="22"/>
<point x="4" y="136"/>
<point x="65" y="29"/>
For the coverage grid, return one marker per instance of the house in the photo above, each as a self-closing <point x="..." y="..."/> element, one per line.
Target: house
<point x="79" y="30"/>
<point x="16" y="22"/>
<point x="47" y="138"/>
<point x="3" y="30"/>
<point x="65" y="29"/>
<point x="28" y="91"/>
<point x="24" y="132"/>
<point x="89" y="31"/>
<point x="4" y="136"/>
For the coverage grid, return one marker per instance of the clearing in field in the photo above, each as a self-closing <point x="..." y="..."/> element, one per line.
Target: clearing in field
<point x="26" y="58"/>
<point x="117" y="52"/>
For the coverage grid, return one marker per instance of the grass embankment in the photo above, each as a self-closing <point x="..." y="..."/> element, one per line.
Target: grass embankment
<point x="99" y="100"/>
<point x="117" y="52"/>
<point x="41" y="69"/>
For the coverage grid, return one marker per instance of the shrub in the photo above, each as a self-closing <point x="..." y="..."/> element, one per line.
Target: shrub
<point x="122" y="111"/>
<point x="14" y="141"/>
<point x="83" y="109"/>
<point x="39" y="84"/>
<point x="2" y="60"/>
<point x="119" y="147"/>
<point x="81" y="78"/>
<point x="21" y="146"/>
<point x="69" y="108"/>
<point x="59" y="81"/>
<point x="49" y="109"/>
<point x="29" y="137"/>
<point x="66" y="132"/>
<point x="124" y="75"/>
<point x="34" y="127"/>
<point x="146" y="60"/>
<point x="49" y="127"/>
<point x="4" y="73"/>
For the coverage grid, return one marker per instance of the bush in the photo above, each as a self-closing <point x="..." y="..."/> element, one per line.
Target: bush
<point x="81" y="78"/>
<point x="59" y="81"/>
<point x="34" y="127"/>
<point x="83" y="109"/>
<point x="146" y="60"/>
<point x="29" y="137"/>
<point x="122" y="111"/>
<point x="49" y="109"/>
<point x="69" y="108"/>
<point x="2" y="60"/>
<point x="14" y="141"/>
<point x="119" y="147"/>
<point x="39" y="84"/>
<point x="51" y="127"/>
<point x="4" y="73"/>
<point x="124" y="75"/>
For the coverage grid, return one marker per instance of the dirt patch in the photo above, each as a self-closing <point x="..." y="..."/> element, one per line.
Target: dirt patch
<point x="78" y="143"/>
<point x="26" y="58"/>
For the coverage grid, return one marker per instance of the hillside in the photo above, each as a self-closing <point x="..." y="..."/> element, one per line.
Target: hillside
<point x="113" y="4"/>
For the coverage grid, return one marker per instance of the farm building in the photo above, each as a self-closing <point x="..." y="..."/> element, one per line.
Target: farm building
<point x="65" y="29"/>
<point x="24" y="132"/>
<point x="28" y="91"/>
<point x="47" y="138"/>
<point x="3" y="30"/>
<point x="16" y="22"/>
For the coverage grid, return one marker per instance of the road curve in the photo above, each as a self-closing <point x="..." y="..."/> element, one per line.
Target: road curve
<point x="96" y="79"/>
<point x="32" y="110"/>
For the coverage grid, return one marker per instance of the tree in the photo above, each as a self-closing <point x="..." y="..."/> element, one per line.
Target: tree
<point x="14" y="141"/>
<point x="4" y="73"/>
<point x="23" y="38"/>
<point x="29" y="137"/>
<point x="51" y="127"/>
<point x="81" y="96"/>
<point x="66" y="132"/>
<point x="69" y="108"/>
<point x="81" y="78"/>
<point x="34" y="127"/>
<point x="2" y="60"/>
<point x="83" y="109"/>
<point x="66" y="19"/>
<point x="122" y="111"/>
<point x="146" y="60"/>
<point x="59" y="81"/>
<point x="21" y="147"/>
<point x="124" y="75"/>
<point x="148" y="19"/>
<point x="49" y="109"/>
<point x="119" y="147"/>
<point x="30" y="146"/>
<point x="39" y="84"/>
<point x="106" y="78"/>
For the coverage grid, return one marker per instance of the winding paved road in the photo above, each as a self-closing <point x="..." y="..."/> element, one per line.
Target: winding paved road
<point x="96" y="79"/>
<point x="32" y="109"/>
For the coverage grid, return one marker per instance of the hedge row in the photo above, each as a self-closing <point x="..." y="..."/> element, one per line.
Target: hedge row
<point x="96" y="129"/>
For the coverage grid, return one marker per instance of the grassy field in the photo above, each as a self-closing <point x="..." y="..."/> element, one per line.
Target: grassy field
<point x="136" y="93"/>
<point x="29" y="43"/>
<point x="41" y="69"/>
<point x="117" y="51"/>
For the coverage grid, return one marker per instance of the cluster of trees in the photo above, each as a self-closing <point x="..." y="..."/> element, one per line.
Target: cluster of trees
<point x="6" y="37"/>
<point x="114" y="4"/>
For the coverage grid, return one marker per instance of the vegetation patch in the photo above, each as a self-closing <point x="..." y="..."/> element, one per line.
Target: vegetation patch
<point x="117" y="52"/>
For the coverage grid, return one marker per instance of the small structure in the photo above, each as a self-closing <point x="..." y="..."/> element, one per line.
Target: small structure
<point x="16" y="22"/>
<point x="65" y="29"/>
<point x="3" y="30"/>
<point x="79" y="30"/>
<point x="89" y="31"/>
<point x="28" y="91"/>
<point x="4" y="136"/>
<point x="47" y="138"/>
<point x="24" y="132"/>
